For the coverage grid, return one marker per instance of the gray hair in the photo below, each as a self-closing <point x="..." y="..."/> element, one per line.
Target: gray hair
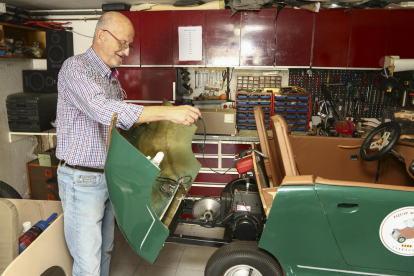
<point x="104" y="22"/>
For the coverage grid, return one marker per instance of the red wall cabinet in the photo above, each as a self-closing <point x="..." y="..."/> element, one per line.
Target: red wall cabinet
<point x="331" y="38"/>
<point x="187" y="19"/>
<point x="400" y="38"/>
<point x="368" y="38"/>
<point x="147" y="84"/>
<point x="156" y="38"/>
<point x="294" y="37"/>
<point x="223" y="38"/>
<point x="134" y="57"/>
<point x="258" y="38"/>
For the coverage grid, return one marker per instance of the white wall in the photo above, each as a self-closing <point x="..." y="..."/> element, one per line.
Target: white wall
<point x="13" y="156"/>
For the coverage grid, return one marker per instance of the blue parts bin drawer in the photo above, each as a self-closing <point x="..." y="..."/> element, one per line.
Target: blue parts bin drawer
<point x="253" y="96"/>
<point x="279" y="109"/>
<point x="280" y="97"/>
<point x="265" y="96"/>
<point x="301" y="129"/>
<point x="242" y="115"/>
<point x="252" y="127"/>
<point x="241" y="121"/>
<point x="303" y="98"/>
<point x="241" y="127"/>
<point x="255" y="103"/>
<point x="251" y="122"/>
<point x="250" y="108"/>
<point x="250" y="115"/>
<point x="241" y="96"/>
<point x="291" y="104"/>
<point x="302" y="116"/>
<point x="301" y="123"/>
<point x="291" y="98"/>
<point x="303" y="104"/>
<point x="265" y="103"/>
<point x="303" y="110"/>
<point x="241" y="102"/>
<point x="291" y="110"/>
<point x="241" y="108"/>
<point x="279" y="103"/>
<point x="290" y="116"/>
<point x="265" y="109"/>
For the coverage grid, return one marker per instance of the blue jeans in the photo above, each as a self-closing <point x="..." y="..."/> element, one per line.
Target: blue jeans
<point x="88" y="220"/>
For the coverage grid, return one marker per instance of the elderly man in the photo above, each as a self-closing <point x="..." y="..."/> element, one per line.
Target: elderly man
<point x="89" y="94"/>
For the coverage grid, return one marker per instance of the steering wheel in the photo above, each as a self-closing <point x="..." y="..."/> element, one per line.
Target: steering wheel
<point x="383" y="145"/>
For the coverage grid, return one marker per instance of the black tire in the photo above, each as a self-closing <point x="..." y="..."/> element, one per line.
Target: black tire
<point x="7" y="191"/>
<point x="401" y="239"/>
<point x="243" y="253"/>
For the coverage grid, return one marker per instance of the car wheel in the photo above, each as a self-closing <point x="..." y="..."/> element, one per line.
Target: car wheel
<point x="242" y="258"/>
<point x="401" y="239"/>
<point x="7" y="191"/>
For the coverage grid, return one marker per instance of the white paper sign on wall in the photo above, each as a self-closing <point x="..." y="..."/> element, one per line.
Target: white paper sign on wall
<point x="190" y="43"/>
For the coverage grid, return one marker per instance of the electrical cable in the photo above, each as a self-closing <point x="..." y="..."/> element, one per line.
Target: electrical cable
<point x="172" y="184"/>
<point x="204" y="146"/>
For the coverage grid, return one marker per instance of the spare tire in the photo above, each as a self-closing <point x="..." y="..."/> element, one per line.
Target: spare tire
<point x="7" y="191"/>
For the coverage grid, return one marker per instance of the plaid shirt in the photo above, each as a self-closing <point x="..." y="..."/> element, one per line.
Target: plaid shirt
<point x="88" y="97"/>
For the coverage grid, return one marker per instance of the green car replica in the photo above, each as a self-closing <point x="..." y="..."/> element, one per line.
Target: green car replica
<point x="290" y="218"/>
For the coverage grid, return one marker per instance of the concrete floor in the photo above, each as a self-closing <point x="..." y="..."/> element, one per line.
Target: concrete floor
<point x="173" y="260"/>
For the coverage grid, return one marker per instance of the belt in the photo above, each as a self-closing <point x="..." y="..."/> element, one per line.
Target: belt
<point x="81" y="168"/>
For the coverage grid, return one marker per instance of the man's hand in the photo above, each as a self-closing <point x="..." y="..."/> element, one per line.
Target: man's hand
<point x="182" y="114"/>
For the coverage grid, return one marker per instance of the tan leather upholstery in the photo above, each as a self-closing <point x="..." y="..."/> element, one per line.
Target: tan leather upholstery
<point x="270" y="162"/>
<point x="284" y="151"/>
<point x="298" y="180"/>
<point x="320" y="180"/>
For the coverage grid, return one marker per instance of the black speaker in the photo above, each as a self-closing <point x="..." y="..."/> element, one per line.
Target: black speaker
<point x="41" y="81"/>
<point x="59" y="46"/>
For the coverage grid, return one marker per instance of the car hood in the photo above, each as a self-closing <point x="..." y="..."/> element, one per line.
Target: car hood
<point x="143" y="210"/>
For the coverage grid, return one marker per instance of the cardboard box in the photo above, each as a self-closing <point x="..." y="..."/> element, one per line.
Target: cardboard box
<point x="47" y="158"/>
<point x="218" y="121"/>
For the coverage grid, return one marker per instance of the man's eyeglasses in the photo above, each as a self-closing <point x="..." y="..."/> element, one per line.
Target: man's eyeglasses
<point x="124" y="45"/>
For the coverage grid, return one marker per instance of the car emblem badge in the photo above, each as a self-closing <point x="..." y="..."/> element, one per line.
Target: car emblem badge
<point x="397" y="231"/>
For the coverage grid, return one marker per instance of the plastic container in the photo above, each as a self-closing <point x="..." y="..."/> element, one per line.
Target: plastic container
<point x="158" y="159"/>
<point x="26" y="226"/>
<point x="27" y="238"/>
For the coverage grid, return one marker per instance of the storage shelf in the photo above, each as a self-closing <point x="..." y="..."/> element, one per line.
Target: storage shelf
<point x="22" y="57"/>
<point x="15" y="136"/>
<point x="209" y="102"/>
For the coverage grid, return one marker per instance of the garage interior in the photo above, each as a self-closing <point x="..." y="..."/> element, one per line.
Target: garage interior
<point x="292" y="94"/>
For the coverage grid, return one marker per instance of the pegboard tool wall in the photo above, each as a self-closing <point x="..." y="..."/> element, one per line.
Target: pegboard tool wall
<point x="367" y="81"/>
